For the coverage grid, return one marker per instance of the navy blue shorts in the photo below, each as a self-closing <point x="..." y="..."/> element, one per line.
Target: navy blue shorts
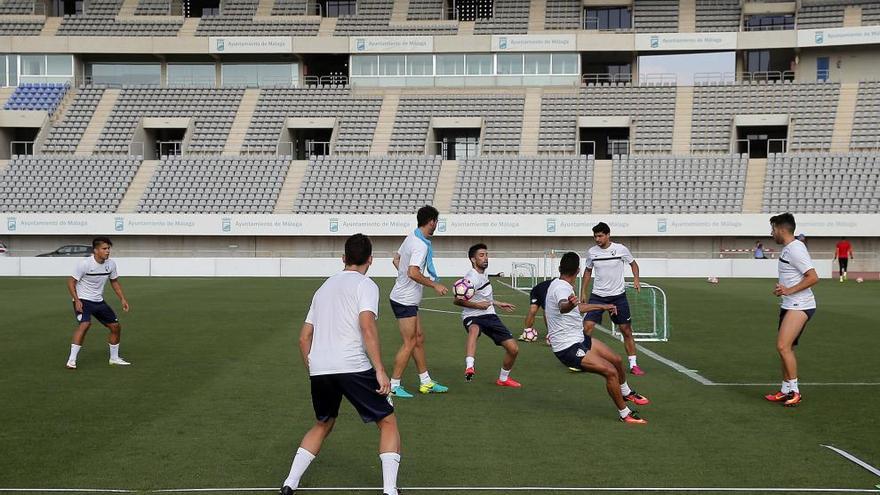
<point x="622" y="316"/>
<point x="359" y="388"/>
<point x="490" y="326"/>
<point x="402" y="311"/>
<point x="573" y="355"/>
<point x="100" y="310"/>
<point x="809" y="312"/>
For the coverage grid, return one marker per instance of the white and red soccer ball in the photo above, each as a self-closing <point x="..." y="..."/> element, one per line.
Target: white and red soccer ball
<point x="463" y="289"/>
<point x="712" y="280"/>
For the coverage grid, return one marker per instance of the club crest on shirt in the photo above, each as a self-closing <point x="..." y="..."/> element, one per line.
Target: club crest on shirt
<point x="580" y="353"/>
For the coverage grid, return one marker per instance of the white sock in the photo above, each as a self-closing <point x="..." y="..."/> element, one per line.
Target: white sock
<point x="503" y="375"/>
<point x="114" y="351"/>
<point x="794" y="385"/>
<point x="624" y="412"/>
<point x="74" y="350"/>
<point x="395" y="382"/>
<point x="424" y="378"/>
<point x="625" y="390"/>
<point x="390" y="465"/>
<point x="632" y="361"/>
<point x="786" y="387"/>
<point x="469" y="362"/>
<point x="301" y="462"/>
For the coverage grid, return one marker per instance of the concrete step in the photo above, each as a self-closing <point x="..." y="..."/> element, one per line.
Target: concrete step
<point x="291" y="186"/>
<point x="445" y="185"/>
<point x="602" y="187"/>
<point x="242" y="121"/>
<point x="753" y="196"/>
<point x="385" y="124"/>
<point x="843" y="119"/>
<point x="99" y="120"/>
<point x="137" y="187"/>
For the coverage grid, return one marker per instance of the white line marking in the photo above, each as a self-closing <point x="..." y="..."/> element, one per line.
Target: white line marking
<point x="468" y="489"/>
<point x="68" y="490"/>
<point x="854" y="459"/>
<point x="813" y="384"/>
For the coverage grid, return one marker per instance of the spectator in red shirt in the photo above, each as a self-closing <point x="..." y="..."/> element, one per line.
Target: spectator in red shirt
<point x="843" y="253"/>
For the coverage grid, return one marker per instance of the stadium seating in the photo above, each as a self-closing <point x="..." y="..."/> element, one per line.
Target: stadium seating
<point x="212" y="110"/>
<point x="820" y="16"/>
<point x="215" y="184"/>
<point x="656" y="16"/>
<point x="37" y="96"/>
<point x="65" y="135"/>
<point x="866" y="122"/>
<point x="53" y="184"/>
<point x="17" y="7"/>
<point x="100" y="20"/>
<point x="502" y="116"/>
<point x="510" y="17"/>
<point x="652" y="109"/>
<point x="290" y="7"/>
<point x="718" y="15"/>
<point x="153" y="7"/>
<point x="425" y="10"/>
<point x="871" y="14"/>
<point x="524" y="185"/>
<point x="811" y="106"/>
<point x="356" y="116"/>
<point x="563" y="14"/>
<point x="237" y="19"/>
<point x="398" y="184"/>
<point x="373" y="18"/>
<point x="823" y="183"/>
<point x="678" y="184"/>
<point x="20" y="27"/>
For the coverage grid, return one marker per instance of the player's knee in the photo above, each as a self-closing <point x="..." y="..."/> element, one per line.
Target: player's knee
<point x="616" y="359"/>
<point x="389" y="421"/>
<point x="783" y="347"/>
<point x="513" y="349"/>
<point x="420" y="339"/>
<point x="326" y="426"/>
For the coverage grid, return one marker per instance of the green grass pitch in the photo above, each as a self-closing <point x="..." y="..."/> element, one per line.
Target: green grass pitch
<point x="217" y="396"/>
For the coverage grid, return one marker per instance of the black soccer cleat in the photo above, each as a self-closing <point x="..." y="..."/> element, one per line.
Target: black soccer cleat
<point x="286" y="490"/>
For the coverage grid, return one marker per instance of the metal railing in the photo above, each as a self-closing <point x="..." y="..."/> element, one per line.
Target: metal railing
<point x="586" y="148"/>
<point x="606" y="77"/>
<point x="658" y="78"/>
<point x="618" y="147"/>
<point x="703" y="78"/>
<point x="21" y="148"/>
<point x="332" y="80"/>
<point x="781" y="146"/>
<point x="456" y="150"/>
<point x="170" y="148"/>
<point x="319" y="148"/>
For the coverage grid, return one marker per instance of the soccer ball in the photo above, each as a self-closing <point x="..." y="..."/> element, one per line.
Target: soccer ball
<point x="529" y="335"/>
<point x="712" y="280"/>
<point x="463" y="289"/>
<point x="860" y="280"/>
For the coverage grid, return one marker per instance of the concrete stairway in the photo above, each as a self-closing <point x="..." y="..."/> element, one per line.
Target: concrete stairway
<point x="242" y="121"/>
<point x="602" y="187"/>
<point x="385" y="124"/>
<point x="531" y="123"/>
<point x="400" y="10"/>
<point x="753" y="197"/>
<point x="687" y="16"/>
<point x="537" y="15"/>
<point x="445" y="185"/>
<point x="292" y="183"/>
<point x="99" y="120"/>
<point x="681" y="130"/>
<point x="843" y="120"/>
<point x="137" y="187"/>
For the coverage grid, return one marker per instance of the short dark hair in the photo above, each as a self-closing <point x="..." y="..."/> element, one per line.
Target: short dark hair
<point x="785" y="220"/>
<point x="570" y="263"/>
<point x="97" y="241"/>
<point x="472" y="251"/>
<point x="426" y="214"/>
<point x="601" y="227"/>
<point x="358" y="249"/>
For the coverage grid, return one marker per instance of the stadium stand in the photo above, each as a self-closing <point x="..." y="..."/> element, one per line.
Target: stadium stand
<point x="811" y="106"/>
<point x="290" y="7"/>
<point x="100" y="19"/>
<point x="16" y="7"/>
<point x="871" y="14"/>
<point x="53" y="184"/>
<point x="563" y="14"/>
<point x="718" y="15"/>
<point x="524" y="185"/>
<point x="65" y="135"/>
<point x="510" y="17"/>
<point x="678" y="184"/>
<point x="425" y="10"/>
<point x="37" y="96"/>
<point x="215" y="184"/>
<point x="866" y="122"/>
<point x="820" y="16"/>
<point x="823" y="183"/>
<point x="652" y="109"/>
<point x="237" y="18"/>
<point x="356" y="116"/>
<point x="153" y="7"/>
<point x="373" y="17"/>
<point x="13" y="26"/>
<point x="212" y="110"/>
<point x="399" y="184"/>
<point x="502" y="119"/>
<point x="658" y="16"/>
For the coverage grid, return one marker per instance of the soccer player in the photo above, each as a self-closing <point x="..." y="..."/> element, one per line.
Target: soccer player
<point x="843" y="253"/>
<point x="608" y="260"/>
<point x="796" y="277"/>
<point x="86" y="287"/>
<point x="479" y="317"/>
<point x="536" y="302"/>
<point x="338" y="342"/>
<point x="414" y="257"/>
<point x="576" y="349"/>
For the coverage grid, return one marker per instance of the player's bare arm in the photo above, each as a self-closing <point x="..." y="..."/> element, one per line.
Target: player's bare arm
<point x="305" y="342"/>
<point x="396" y="261"/>
<point x="636" y="282"/>
<point x="117" y="288"/>
<point x="71" y="287"/>
<point x="585" y="282"/>
<point x="416" y="275"/>
<point x="586" y="308"/>
<point x="566" y="305"/>
<point x="505" y="306"/>
<point x="367" y="322"/>
<point x="810" y="279"/>
<point x="472" y="304"/>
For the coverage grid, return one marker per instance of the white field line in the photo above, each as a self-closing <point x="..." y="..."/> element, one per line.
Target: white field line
<point x="854" y="459"/>
<point x="469" y="489"/>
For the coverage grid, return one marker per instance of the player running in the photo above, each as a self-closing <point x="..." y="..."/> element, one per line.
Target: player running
<point x="796" y="277"/>
<point x="608" y="260"/>
<point x="339" y="344"/>
<point x="576" y="349"/>
<point x="536" y="301"/>
<point x="478" y="317"/>
<point x="86" y="287"/>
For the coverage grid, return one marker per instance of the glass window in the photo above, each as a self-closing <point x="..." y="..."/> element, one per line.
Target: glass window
<point x="274" y="75"/>
<point x="392" y="65"/>
<point x="565" y="63"/>
<point x="256" y="75"/>
<point x="12" y="65"/>
<point x="478" y="65"/>
<point x="59" y="65"/>
<point x="607" y="18"/>
<point x="118" y="74"/>
<point x="537" y="63"/>
<point x="510" y="63"/>
<point x="364" y="65"/>
<point x="420" y="65"/>
<point x="33" y="65"/>
<point x="758" y="61"/>
<point x="3" y="81"/>
<point x="192" y="75"/>
<point x="450" y="65"/>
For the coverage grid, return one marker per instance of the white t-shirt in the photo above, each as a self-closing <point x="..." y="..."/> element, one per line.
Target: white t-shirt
<point x="91" y="277"/>
<point x="337" y="342"/>
<point x="794" y="262"/>
<point x="413" y="252"/>
<point x="609" y="266"/>
<point x="563" y="329"/>
<point x="483" y="293"/>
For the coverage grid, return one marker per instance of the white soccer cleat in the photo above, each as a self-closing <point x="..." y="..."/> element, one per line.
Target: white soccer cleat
<point x="119" y="362"/>
<point x="71" y="365"/>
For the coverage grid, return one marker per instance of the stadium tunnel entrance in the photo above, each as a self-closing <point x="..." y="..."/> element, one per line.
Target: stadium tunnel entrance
<point x="306" y="137"/>
<point x="324" y="69"/>
<point x="603" y="137"/>
<point x="760" y="135"/>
